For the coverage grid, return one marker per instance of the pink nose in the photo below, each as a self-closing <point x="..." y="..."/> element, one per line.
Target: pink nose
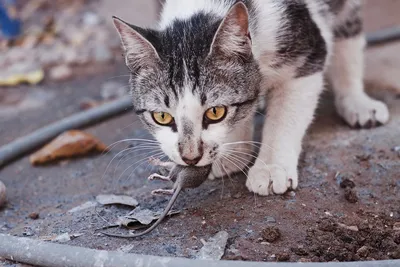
<point x="193" y="161"/>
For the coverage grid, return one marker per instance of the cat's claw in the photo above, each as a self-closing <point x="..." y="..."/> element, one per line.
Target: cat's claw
<point x="362" y="111"/>
<point x="270" y="179"/>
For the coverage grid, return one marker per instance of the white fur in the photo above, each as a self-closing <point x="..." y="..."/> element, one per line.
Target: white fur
<point x="346" y="75"/>
<point x="289" y="112"/>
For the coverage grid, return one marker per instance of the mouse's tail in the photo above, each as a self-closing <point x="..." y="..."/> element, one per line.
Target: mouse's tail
<point x="162" y="216"/>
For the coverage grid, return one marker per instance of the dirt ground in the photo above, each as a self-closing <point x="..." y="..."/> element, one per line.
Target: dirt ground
<point x="347" y="206"/>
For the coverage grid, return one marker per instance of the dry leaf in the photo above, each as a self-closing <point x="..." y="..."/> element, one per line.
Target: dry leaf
<point x="69" y="144"/>
<point x="142" y="216"/>
<point x="32" y="77"/>
<point x="114" y="199"/>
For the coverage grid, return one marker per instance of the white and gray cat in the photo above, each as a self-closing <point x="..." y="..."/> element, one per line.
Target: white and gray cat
<point x="197" y="78"/>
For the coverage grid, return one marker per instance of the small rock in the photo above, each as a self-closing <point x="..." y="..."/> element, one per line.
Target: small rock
<point x="292" y="194"/>
<point x="395" y="254"/>
<point x="304" y="260"/>
<point x="3" y="194"/>
<point x="363" y="251"/>
<point x="327" y="225"/>
<point x="270" y="219"/>
<point x="271" y="234"/>
<point x="350" y="195"/>
<point x="347" y="183"/>
<point x="214" y="248"/>
<point x="60" y="73"/>
<point x="112" y="90"/>
<point x="237" y="195"/>
<point x="34" y="215"/>
<point x="62" y="238"/>
<point x="351" y="228"/>
<point x="282" y="257"/>
<point x="300" y="251"/>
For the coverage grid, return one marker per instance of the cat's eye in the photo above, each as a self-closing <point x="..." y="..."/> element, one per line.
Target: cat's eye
<point x="163" y="118"/>
<point x="215" y="114"/>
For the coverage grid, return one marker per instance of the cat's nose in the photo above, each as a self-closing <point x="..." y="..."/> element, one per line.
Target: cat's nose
<point x="193" y="161"/>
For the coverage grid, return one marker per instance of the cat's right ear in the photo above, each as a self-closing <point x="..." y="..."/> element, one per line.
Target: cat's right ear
<point x="138" y="51"/>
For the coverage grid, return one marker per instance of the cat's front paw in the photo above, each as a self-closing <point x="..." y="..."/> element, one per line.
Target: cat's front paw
<point x="362" y="111"/>
<point x="271" y="179"/>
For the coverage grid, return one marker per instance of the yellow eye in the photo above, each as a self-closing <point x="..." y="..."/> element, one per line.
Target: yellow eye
<point x="216" y="114"/>
<point x="162" y="118"/>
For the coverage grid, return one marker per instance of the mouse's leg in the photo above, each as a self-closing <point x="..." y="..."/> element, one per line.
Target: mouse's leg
<point x="163" y="192"/>
<point x="156" y="176"/>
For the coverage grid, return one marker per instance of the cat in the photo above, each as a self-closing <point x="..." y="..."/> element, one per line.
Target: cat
<point x="196" y="80"/>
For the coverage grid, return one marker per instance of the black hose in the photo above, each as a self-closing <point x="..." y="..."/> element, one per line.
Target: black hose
<point x="383" y="36"/>
<point x="41" y="136"/>
<point x="32" y="141"/>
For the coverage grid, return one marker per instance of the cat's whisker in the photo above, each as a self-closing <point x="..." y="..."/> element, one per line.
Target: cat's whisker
<point x="135" y="156"/>
<point x="141" y="161"/>
<point x="247" y="154"/>
<point x="111" y="146"/>
<point x="158" y="156"/>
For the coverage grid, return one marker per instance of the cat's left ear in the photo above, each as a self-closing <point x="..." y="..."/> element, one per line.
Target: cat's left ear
<point x="232" y="38"/>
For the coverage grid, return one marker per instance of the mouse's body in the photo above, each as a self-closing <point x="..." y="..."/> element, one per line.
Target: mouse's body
<point x="183" y="177"/>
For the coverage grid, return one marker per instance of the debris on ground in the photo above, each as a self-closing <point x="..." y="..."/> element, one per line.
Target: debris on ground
<point x="70" y="144"/>
<point x="350" y="195"/>
<point x="3" y="194"/>
<point x="366" y="239"/>
<point x="63" y="238"/>
<point x="214" y="248"/>
<point x="283" y="257"/>
<point x="117" y="199"/>
<point x="271" y="234"/>
<point x="347" y="183"/>
<point x="142" y="216"/>
<point x="33" y="215"/>
<point x="84" y="206"/>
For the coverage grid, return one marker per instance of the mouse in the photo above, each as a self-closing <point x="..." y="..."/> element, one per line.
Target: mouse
<point x="182" y="177"/>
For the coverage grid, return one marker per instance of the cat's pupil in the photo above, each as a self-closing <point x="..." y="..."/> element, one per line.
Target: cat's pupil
<point x="215" y="111"/>
<point x="162" y="116"/>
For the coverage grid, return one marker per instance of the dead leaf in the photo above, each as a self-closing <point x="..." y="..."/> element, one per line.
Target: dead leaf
<point x="114" y="199"/>
<point x="32" y="77"/>
<point x="141" y="217"/>
<point x="69" y="144"/>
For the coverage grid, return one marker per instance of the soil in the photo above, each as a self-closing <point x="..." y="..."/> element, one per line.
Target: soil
<point x="317" y="222"/>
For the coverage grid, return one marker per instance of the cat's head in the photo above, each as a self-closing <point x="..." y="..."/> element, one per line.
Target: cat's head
<point x="195" y="83"/>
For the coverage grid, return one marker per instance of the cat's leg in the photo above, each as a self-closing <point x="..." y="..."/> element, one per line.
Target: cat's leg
<point x="346" y="73"/>
<point x="290" y="110"/>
